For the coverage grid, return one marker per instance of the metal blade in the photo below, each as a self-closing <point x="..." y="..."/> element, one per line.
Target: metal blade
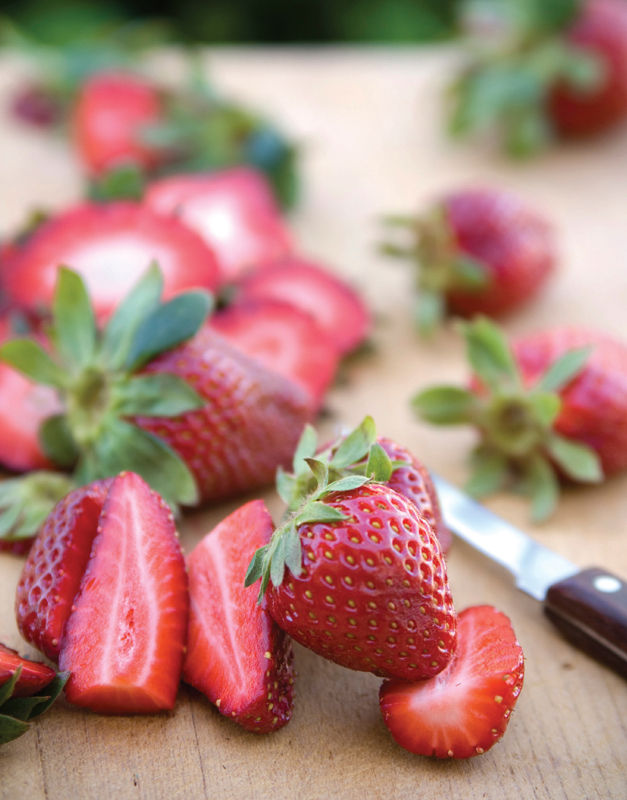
<point x="534" y="566"/>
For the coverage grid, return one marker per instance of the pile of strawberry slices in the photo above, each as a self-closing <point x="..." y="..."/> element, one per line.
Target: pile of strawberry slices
<point x="355" y="571"/>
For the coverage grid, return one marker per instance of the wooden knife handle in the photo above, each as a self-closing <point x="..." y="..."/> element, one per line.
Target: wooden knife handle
<point x="590" y="610"/>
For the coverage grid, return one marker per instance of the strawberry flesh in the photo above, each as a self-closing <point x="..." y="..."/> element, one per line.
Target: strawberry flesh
<point x="236" y="654"/>
<point x="124" y="640"/>
<point x="52" y="573"/>
<point x="463" y="710"/>
<point x="33" y="676"/>
<point x="335" y="306"/>
<point x="285" y="339"/>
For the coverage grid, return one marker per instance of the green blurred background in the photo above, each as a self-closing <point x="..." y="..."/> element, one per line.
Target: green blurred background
<point x="242" y="21"/>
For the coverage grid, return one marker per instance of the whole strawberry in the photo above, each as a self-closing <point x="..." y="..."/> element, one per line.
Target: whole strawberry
<point x="476" y="251"/>
<point x="158" y="394"/>
<point x="553" y="404"/>
<point x="355" y="572"/>
<point x="543" y="71"/>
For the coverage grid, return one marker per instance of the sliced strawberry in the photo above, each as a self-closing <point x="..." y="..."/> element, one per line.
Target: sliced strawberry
<point x="111" y="245"/>
<point x="337" y="309"/>
<point x="236" y="654"/>
<point x="110" y="113"/>
<point x="463" y="710"/>
<point x="233" y="210"/>
<point x="55" y="565"/>
<point x="125" y="638"/>
<point x="285" y="339"/>
<point x="33" y="676"/>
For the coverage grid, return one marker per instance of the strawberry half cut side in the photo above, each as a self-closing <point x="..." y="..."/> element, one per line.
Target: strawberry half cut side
<point x="125" y="638"/>
<point x="236" y="655"/>
<point x="463" y="710"/>
<point x="285" y="339"/>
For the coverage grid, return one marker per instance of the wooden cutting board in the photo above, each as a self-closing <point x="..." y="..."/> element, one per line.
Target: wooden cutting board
<point x="369" y="123"/>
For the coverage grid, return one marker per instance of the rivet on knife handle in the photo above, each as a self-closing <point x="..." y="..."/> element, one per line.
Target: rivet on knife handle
<point x="590" y="610"/>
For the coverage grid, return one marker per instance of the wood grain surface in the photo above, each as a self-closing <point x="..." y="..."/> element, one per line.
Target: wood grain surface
<point x="370" y="126"/>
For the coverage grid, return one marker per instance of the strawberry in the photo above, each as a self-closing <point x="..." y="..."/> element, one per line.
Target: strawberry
<point x="124" y="640"/>
<point x="547" y="73"/>
<point x="55" y="565"/>
<point x="158" y="393"/>
<point x="366" y="583"/>
<point x="33" y="675"/>
<point x="20" y="680"/>
<point x="285" y="339"/>
<point x="476" y="251"/>
<point x="337" y="309"/>
<point x="110" y="245"/>
<point x="110" y="111"/>
<point x="555" y="403"/>
<point x="463" y="710"/>
<point x="236" y="654"/>
<point x="232" y="210"/>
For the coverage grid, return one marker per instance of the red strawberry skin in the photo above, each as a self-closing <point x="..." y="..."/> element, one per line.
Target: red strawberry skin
<point x="52" y="572"/>
<point x="236" y="655"/>
<point x="373" y="594"/>
<point x="111" y="245"/>
<point x="463" y="710"/>
<point x="33" y="677"/>
<point x="285" y="339"/>
<point x="336" y="307"/>
<point x="233" y="210"/>
<point x="125" y="638"/>
<point x="601" y="30"/>
<point x="594" y="404"/>
<point x="512" y="243"/>
<point x="414" y="482"/>
<point x="110" y="112"/>
<point x="249" y="426"/>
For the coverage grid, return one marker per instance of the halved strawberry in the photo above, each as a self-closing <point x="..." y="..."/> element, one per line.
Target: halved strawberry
<point x="464" y="710"/>
<point x="233" y="210"/>
<point x="236" y="654"/>
<point x="285" y="339"/>
<point x="33" y="674"/>
<point x="111" y="110"/>
<point x="55" y="565"/>
<point x="334" y="305"/>
<point x="125" y="638"/>
<point x="111" y="245"/>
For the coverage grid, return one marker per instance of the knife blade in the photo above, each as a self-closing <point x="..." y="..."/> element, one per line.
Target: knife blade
<point x="588" y="606"/>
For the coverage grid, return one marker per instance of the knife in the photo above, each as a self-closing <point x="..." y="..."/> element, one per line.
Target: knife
<point x="588" y="606"/>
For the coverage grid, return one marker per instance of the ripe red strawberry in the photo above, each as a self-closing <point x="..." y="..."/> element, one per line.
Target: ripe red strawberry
<point x="285" y="339"/>
<point x="355" y="572"/>
<point x="335" y="306"/>
<point x="463" y="710"/>
<point x="236" y="654"/>
<point x="110" y="112"/>
<point x="194" y="416"/>
<point x="33" y="674"/>
<point x="55" y="565"/>
<point x="478" y="251"/>
<point x="233" y="210"/>
<point x="555" y="403"/>
<point x="600" y="30"/>
<point x="124" y="640"/>
<point x="111" y="245"/>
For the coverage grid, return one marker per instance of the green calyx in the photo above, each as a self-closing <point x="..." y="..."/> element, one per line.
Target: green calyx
<point x="519" y="445"/>
<point x="352" y="461"/>
<point x="514" y="68"/>
<point x="16" y="713"/>
<point x="97" y="375"/>
<point x="440" y="265"/>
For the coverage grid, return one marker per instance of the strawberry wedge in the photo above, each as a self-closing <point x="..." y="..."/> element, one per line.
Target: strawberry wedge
<point x="125" y="638"/>
<point x="236" y="655"/>
<point x="33" y="674"/>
